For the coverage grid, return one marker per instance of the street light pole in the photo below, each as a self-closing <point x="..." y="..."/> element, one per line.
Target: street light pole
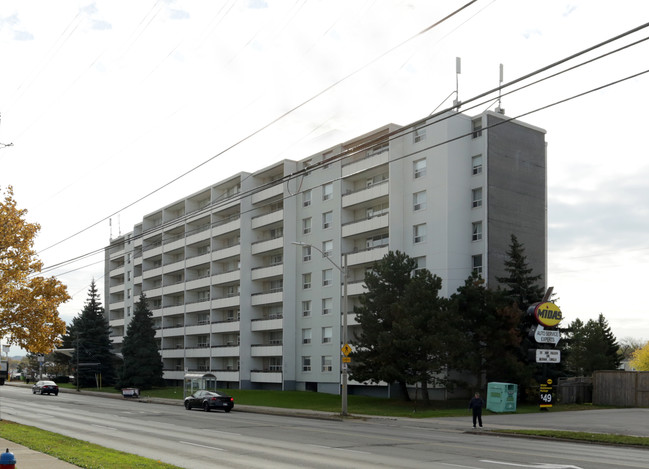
<point x="343" y="366"/>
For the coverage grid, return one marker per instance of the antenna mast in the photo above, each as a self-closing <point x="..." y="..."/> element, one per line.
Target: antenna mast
<point x="499" y="109"/>
<point x="458" y="70"/>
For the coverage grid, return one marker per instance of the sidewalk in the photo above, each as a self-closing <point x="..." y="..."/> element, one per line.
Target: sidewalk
<point x="28" y="458"/>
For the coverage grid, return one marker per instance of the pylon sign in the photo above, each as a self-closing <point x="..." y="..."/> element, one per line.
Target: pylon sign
<point x="547" y="314"/>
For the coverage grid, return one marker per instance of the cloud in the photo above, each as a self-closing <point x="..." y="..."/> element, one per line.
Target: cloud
<point x="569" y="10"/>
<point x="178" y="15"/>
<point x="257" y="4"/>
<point x="101" y="25"/>
<point x="23" y="36"/>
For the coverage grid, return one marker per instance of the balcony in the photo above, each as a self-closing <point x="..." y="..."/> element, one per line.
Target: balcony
<point x="356" y="288"/>
<point x="225" y="350"/>
<point x="375" y="191"/>
<point x="365" y="225"/>
<point x="226" y="277"/>
<point x="267" y="219"/>
<point x="226" y="226"/>
<point x="268" y="245"/>
<point x="227" y="252"/>
<point x="266" y="324"/>
<point x="117" y="271"/>
<point x="202" y="282"/>
<point x="367" y="256"/>
<point x="173" y="353"/>
<point x="226" y="302"/>
<point x="266" y="351"/>
<point x="267" y="271"/>
<point x="197" y="352"/>
<point x="226" y="375"/>
<point x="263" y="298"/>
<point x="372" y="160"/>
<point x="262" y="195"/>
<point x="225" y="326"/>
<point x="266" y="376"/>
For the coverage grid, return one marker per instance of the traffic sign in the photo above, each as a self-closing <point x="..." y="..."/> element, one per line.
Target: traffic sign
<point x="546" y="336"/>
<point x="548" y="356"/>
<point x="347" y="359"/>
<point x="346" y="350"/>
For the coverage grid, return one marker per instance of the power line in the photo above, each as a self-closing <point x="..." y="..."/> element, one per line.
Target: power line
<point x="266" y="126"/>
<point x="402" y="131"/>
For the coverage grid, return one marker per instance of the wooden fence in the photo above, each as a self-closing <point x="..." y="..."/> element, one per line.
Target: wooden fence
<point x="621" y="388"/>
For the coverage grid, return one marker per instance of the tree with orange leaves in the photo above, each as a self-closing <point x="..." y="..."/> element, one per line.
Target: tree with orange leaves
<point x="29" y="303"/>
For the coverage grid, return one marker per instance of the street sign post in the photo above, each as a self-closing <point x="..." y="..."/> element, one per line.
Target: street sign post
<point x="548" y="356"/>
<point x="546" y="336"/>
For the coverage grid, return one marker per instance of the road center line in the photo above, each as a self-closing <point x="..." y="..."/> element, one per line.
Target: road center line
<point x="201" y="446"/>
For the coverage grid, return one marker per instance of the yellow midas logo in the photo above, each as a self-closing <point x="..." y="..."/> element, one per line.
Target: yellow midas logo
<point x="548" y="314"/>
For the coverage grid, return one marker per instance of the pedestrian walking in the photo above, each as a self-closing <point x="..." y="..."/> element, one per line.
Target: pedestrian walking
<point x="476" y="404"/>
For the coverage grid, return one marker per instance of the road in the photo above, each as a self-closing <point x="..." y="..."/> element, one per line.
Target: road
<point x="196" y="439"/>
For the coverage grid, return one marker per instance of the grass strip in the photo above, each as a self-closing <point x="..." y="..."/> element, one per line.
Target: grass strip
<point x="607" y="438"/>
<point x="77" y="452"/>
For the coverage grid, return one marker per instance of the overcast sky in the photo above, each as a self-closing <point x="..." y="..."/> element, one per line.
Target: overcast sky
<point x="107" y="101"/>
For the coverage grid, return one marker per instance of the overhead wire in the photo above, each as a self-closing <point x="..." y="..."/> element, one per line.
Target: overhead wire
<point x="265" y="126"/>
<point x="401" y="130"/>
<point x="503" y="121"/>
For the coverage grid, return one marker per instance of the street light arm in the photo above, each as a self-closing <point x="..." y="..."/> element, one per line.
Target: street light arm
<point x="341" y="269"/>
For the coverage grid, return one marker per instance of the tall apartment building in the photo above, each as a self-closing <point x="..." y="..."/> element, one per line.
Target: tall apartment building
<point x="231" y="292"/>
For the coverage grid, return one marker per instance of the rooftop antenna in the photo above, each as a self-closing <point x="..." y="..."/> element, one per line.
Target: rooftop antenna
<point x="499" y="109"/>
<point x="119" y="226"/>
<point x="110" y="227"/>
<point x="458" y="70"/>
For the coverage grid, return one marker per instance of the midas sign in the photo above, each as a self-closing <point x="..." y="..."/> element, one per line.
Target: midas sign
<point x="548" y="314"/>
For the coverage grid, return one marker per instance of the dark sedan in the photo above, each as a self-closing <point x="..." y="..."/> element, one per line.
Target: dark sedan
<point x="208" y="400"/>
<point x="45" y="387"/>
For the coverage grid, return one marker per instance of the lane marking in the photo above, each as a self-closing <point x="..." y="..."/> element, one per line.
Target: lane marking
<point x="103" y="427"/>
<point x="535" y="466"/>
<point x="201" y="446"/>
<point x="222" y="433"/>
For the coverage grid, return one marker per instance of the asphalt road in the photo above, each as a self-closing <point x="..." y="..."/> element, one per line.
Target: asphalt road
<point x="196" y="439"/>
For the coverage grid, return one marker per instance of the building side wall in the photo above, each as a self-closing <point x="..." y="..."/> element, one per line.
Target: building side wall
<point x="516" y="195"/>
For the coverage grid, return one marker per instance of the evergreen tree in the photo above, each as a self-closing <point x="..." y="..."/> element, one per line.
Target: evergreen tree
<point x="90" y="334"/>
<point x="489" y="326"/>
<point x="404" y="328"/>
<point x="522" y="286"/>
<point x="142" y="361"/>
<point x="523" y="290"/>
<point x="591" y="347"/>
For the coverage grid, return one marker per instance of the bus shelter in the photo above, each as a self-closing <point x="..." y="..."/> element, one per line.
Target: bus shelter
<point x="197" y="382"/>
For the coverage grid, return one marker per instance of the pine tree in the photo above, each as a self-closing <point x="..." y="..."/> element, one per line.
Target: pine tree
<point x="142" y="361"/>
<point x="404" y="326"/>
<point x="489" y="326"/>
<point x="522" y="286"/>
<point x="90" y="333"/>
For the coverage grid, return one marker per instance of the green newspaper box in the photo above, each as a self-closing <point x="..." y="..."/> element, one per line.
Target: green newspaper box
<point x="501" y="397"/>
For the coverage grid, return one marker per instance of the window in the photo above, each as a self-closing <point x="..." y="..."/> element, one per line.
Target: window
<point x="306" y="308"/>
<point x="327" y="219"/>
<point x="276" y="259"/>
<point x="421" y="263"/>
<point x="327" y="277"/>
<point x="327" y="191"/>
<point x="306" y="198"/>
<point x="276" y="232"/>
<point x="128" y="275"/>
<point x="476" y="125"/>
<point x="306" y="363"/>
<point x="476" y="231"/>
<point x="327" y="305"/>
<point x="326" y="363"/>
<point x="476" y="262"/>
<point x="419" y="168"/>
<point x="476" y="164"/>
<point x="476" y="197"/>
<point x="327" y="334"/>
<point x="419" y="135"/>
<point x="128" y="293"/>
<point x="306" y="336"/>
<point x="327" y="248"/>
<point x="306" y="253"/>
<point x="419" y="200"/>
<point x="128" y="310"/>
<point x="419" y="233"/>
<point x="306" y="225"/>
<point x="377" y="241"/>
<point x="306" y="281"/>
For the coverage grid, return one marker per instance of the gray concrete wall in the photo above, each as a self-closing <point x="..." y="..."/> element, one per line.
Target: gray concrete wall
<point x="516" y="195"/>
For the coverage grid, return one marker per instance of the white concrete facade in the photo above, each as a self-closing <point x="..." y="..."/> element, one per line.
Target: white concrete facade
<point x="233" y="295"/>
